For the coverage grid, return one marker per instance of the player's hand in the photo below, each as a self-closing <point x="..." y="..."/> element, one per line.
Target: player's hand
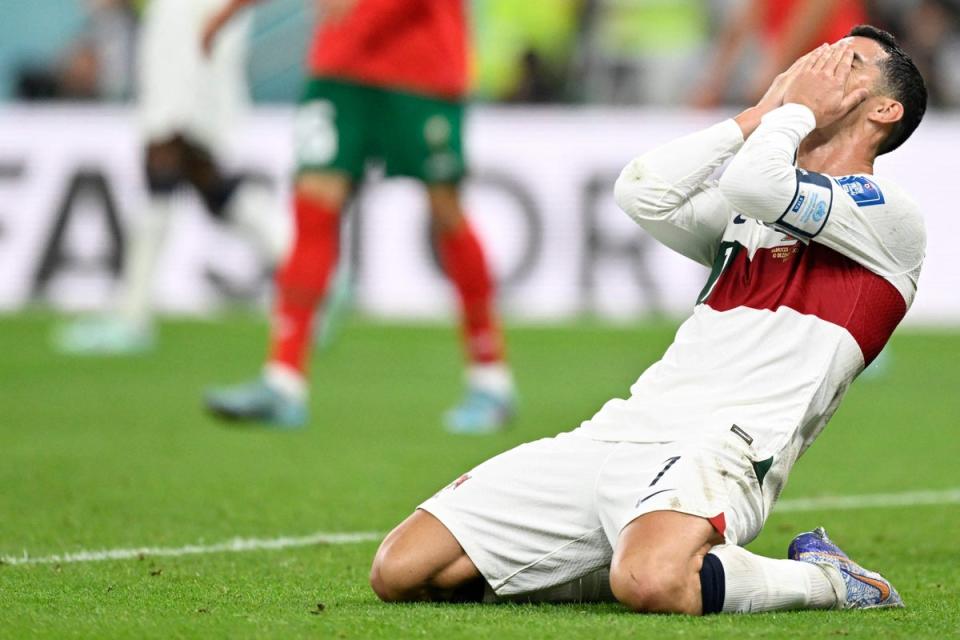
<point x="774" y="95"/>
<point x="749" y="120"/>
<point x="212" y="28"/>
<point x="820" y="84"/>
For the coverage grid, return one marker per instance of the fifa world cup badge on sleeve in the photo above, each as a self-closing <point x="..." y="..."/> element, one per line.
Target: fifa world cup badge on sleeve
<point x="863" y="190"/>
<point x="810" y="208"/>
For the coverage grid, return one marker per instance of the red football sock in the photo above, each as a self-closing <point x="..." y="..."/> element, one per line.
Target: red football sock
<point x="302" y="281"/>
<point x="465" y="264"/>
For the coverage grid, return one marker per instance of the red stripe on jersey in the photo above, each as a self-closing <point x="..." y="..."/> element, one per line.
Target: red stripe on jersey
<point x="816" y="280"/>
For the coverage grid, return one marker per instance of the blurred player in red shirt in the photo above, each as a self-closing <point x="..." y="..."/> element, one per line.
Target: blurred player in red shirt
<point x="387" y="82"/>
<point x="785" y="30"/>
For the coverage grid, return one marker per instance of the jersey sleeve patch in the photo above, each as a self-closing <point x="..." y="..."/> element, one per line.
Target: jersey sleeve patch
<point x="809" y="211"/>
<point x="863" y="190"/>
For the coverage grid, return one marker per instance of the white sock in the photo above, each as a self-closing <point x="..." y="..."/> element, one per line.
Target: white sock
<point x="145" y="242"/>
<point x="253" y="209"/>
<point x="755" y="583"/>
<point x="494" y="378"/>
<point x="286" y="380"/>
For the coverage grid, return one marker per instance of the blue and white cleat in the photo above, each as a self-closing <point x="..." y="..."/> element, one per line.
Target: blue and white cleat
<point x="103" y="336"/>
<point x="857" y="588"/>
<point x="256" y="401"/>
<point x="480" y="413"/>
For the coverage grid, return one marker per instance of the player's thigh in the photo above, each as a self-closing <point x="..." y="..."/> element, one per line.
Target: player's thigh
<point x="332" y="128"/>
<point x="424" y="138"/>
<point x="713" y="478"/>
<point x="527" y="518"/>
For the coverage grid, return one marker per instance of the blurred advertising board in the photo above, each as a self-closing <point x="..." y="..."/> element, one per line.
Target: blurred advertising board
<point x="540" y="194"/>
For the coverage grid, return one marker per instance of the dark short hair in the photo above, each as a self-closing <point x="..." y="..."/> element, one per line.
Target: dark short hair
<point x="903" y="83"/>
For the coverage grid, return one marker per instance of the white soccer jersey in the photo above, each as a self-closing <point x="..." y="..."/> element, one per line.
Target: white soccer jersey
<point x="811" y="274"/>
<point x="182" y="90"/>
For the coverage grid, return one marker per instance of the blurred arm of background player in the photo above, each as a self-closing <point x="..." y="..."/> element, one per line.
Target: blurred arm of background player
<point x="805" y="22"/>
<point x="327" y="11"/>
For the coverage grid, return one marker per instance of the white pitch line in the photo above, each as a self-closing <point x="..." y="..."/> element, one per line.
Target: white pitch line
<point x="239" y="545"/>
<point x="235" y="545"/>
<point x="870" y="501"/>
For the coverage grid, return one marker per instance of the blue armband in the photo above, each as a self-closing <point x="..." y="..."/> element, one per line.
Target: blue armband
<point x="810" y="208"/>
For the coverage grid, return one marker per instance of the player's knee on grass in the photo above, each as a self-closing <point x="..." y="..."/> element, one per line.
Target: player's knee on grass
<point x="650" y="586"/>
<point x="657" y="562"/>
<point x="327" y="189"/>
<point x="421" y="560"/>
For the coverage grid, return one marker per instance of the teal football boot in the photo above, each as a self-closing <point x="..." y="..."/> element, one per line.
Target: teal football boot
<point x="256" y="402"/>
<point x="103" y="336"/>
<point x="481" y="412"/>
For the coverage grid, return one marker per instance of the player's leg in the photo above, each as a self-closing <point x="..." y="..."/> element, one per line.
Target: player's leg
<point x="164" y="173"/>
<point x="331" y="152"/>
<point x="671" y="556"/>
<point x="424" y="141"/>
<point x="279" y="395"/>
<point x="524" y="520"/>
<point x="490" y="400"/>
<point x="303" y="279"/>
<point x="669" y="562"/>
<point x="244" y="201"/>
<point x="421" y="560"/>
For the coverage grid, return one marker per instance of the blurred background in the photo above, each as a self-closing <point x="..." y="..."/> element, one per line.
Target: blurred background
<point x="662" y="52"/>
<point x="564" y="93"/>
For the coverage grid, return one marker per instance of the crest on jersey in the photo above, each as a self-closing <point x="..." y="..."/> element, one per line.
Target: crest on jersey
<point x="863" y="190"/>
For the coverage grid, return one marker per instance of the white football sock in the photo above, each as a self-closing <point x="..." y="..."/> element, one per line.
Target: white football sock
<point x="755" y="583"/>
<point x="254" y="210"/>
<point x="287" y="380"/>
<point x="144" y="244"/>
<point x="494" y="378"/>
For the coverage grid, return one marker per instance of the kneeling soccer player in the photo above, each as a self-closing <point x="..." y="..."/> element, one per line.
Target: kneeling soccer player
<point x="813" y="268"/>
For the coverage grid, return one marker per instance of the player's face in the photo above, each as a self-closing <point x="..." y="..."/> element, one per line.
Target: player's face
<point x="866" y="71"/>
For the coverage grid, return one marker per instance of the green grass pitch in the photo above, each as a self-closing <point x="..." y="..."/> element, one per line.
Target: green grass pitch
<point x="104" y="453"/>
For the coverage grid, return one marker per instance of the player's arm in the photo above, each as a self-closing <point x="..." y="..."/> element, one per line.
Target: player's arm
<point x="667" y="191"/>
<point x="884" y="234"/>
<point x="218" y="20"/>
<point x="761" y="180"/>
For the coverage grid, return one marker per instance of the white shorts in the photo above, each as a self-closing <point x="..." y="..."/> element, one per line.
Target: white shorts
<point x="550" y="511"/>
<point x="180" y="90"/>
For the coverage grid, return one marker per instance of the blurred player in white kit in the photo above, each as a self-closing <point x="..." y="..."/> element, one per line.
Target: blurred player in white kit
<point x="188" y="104"/>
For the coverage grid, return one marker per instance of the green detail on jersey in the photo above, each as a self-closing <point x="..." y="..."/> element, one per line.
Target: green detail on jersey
<point x="725" y="255"/>
<point x="761" y="468"/>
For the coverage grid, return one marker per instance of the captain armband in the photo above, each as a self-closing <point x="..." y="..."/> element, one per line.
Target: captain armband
<point x="810" y="208"/>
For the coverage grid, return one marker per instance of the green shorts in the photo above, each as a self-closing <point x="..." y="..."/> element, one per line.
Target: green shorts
<point x="341" y="125"/>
